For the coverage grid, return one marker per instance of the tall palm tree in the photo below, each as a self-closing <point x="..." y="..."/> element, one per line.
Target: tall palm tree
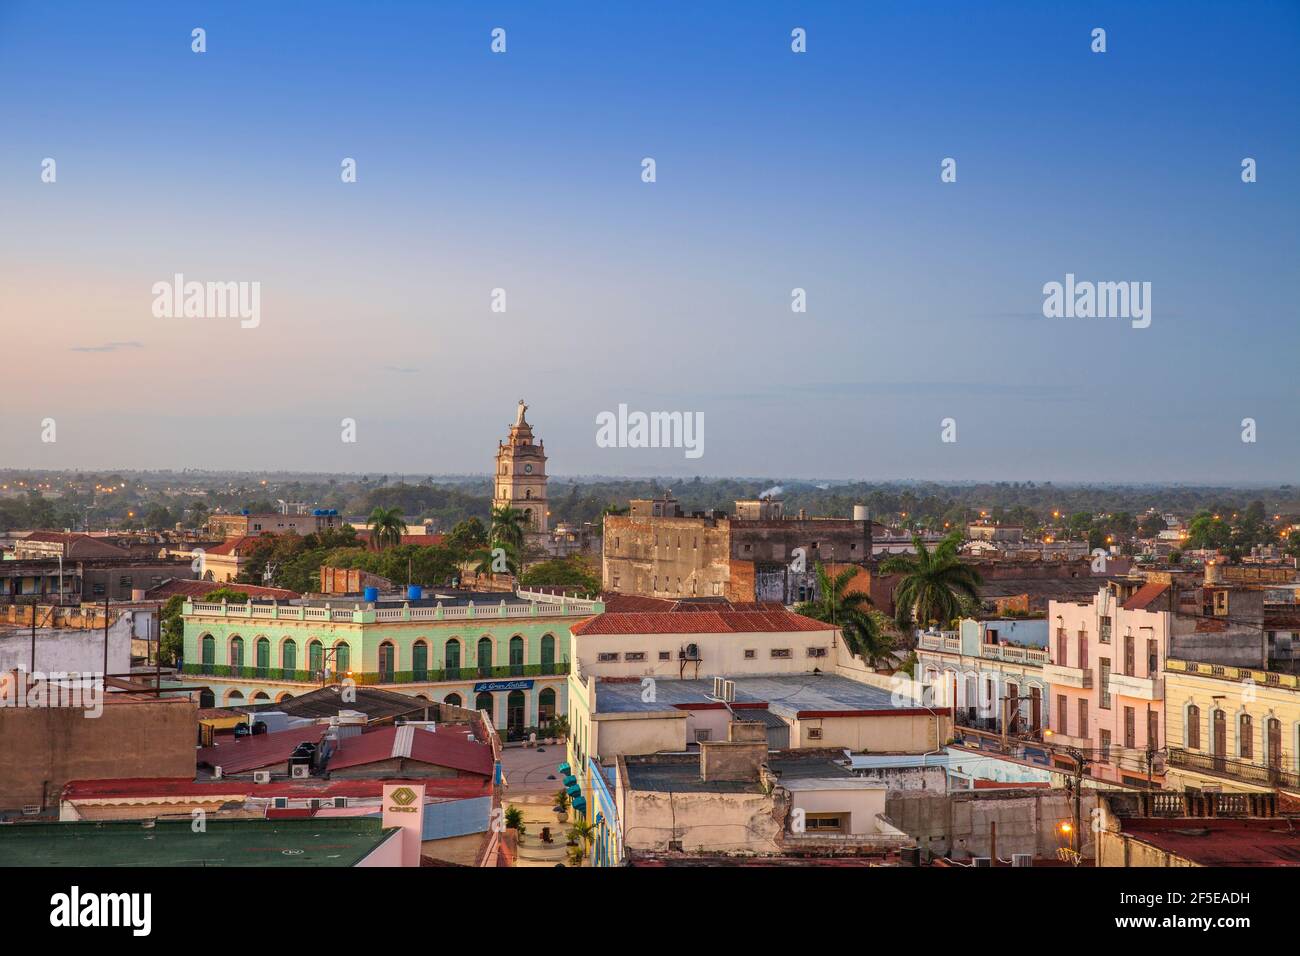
<point x="485" y="560"/>
<point x="507" y="527"/>
<point x="851" y="612"/>
<point x="934" y="583"/>
<point x="386" y="527"/>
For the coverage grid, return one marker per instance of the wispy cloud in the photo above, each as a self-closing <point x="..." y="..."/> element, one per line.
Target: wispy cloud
<point x="106" y="347"/>
<point x="400" y="370"/>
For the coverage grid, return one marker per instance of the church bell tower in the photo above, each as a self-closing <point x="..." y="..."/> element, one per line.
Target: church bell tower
<point x="520" y="478"/>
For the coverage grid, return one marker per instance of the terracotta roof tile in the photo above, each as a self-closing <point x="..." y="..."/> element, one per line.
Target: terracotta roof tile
<point x="1146" y="596"/>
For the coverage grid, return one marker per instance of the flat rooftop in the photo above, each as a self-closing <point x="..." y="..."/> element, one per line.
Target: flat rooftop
<point x="787" y="695"/>
<point x="680" y="773"/>
<point x="288" y="843"/>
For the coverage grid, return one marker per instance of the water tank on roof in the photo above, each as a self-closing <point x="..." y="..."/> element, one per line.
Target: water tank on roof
<point x="414" y="592"/>
<point x="372" y="594"/>
<point x="861" y="513"/>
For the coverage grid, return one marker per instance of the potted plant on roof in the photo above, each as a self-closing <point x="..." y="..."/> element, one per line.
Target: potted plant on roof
<point x="561" y="807"/>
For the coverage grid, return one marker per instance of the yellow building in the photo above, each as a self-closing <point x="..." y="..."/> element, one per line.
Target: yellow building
<point x="1231" y="728"/>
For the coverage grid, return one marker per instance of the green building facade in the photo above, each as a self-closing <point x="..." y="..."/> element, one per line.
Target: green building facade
<point x="507" y="654"/>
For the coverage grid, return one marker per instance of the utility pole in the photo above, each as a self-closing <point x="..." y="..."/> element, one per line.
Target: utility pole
<point x="1080" y="767"/>
<point x="157" y="651"/>
<point x="106" y="586"/>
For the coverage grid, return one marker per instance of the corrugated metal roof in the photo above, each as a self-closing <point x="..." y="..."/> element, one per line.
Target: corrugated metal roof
<point x="450" y="749"/>
<point x="241" y="754"/>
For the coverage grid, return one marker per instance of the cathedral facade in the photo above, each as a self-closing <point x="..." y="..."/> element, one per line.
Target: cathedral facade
<point x="520" y="475"/>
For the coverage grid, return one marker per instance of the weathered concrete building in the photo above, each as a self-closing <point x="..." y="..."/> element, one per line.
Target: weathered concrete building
<point x="135" y="735"/>
<point x="760" y="554"/>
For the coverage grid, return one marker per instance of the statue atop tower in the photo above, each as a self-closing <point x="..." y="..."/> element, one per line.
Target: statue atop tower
<point x="519" y="480"/>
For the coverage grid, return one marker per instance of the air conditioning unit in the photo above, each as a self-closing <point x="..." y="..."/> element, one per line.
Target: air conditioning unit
<point x="300" y="771"/>
<point x="1022" y="859"/>
<point x="261" y="776"/>
<point x="982" y="861"/>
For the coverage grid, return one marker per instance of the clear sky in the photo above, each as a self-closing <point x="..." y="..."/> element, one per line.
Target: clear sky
<point x="775" y="170"/>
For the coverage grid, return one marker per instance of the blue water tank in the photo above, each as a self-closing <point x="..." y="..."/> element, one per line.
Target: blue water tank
<point x="372" y="594"/>
<point x="414" y="592"/>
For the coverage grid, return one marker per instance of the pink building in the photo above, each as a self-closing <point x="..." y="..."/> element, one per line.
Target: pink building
<point x="1106" y="681"/>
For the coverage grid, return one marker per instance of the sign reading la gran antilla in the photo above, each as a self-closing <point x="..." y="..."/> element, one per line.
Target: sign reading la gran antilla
<point x="488" y="686"/>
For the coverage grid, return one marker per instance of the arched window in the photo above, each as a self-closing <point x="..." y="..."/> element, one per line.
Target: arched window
<point x="263" y="656"/>
<point x="387" y="658"/>
<point x="517" y="655"/>
<point x="1273" y="730"/>
<point x="315" y="656"/>
<point x="209" y="650"/>
<point x="262" y="695"/>
<point x="342" y="658"/>
<point x="548" y="653"/>
<point x="234" y="697"/>
<point x="236" y="651"/>
<point x="1245" y="737"/>
<point x="289" y="657"/>
<point x="484" y="702"/>
<point x="1193" y="734"/>
<point x="485" y="657"/>
<point x="453" y="659"/>
<point x="207" y="698"/>
<point x="454" y="700"/>
<point x="545" y="706"/>
<point x="420" y="661"/>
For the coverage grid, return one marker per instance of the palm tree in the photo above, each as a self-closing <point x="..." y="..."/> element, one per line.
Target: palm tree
<point x="583" y="834"/>
<point x="851" y="612"/>
<point x="485" y="560"/>
<point x="934" y="582"/>
<point x="507" y="527"/>
<point x="386" y="527"/>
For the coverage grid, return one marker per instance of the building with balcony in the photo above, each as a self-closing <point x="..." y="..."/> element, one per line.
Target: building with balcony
<point x="506" y="654"/>
<point x="1232" y="728"/>
<point x="993" y="670"/>
<point x="1106" y="678"/>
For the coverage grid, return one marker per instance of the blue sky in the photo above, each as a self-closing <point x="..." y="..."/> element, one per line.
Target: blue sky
<point x="775" y="170"/>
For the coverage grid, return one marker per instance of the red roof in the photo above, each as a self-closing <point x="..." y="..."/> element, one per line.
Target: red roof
<point x="1144" y="597"/>
<point x="136" y="788"/>
<point x="76" y="544"/>
<point x="424" y="540"/>
<point x="236" y="546"/>
<point x="441" y="748"/>
<point x="1220" y="841"/>
<point x="241" y="754"/>
<point x="699" y="622"/>
<point x="197" y="589"/>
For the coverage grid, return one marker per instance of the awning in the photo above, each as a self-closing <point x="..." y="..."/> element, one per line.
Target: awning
<point x="570" y="780"/>
<point x="564" y="768"/>
<point x="574" y="792"/>
<point x="579" y="803"/>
